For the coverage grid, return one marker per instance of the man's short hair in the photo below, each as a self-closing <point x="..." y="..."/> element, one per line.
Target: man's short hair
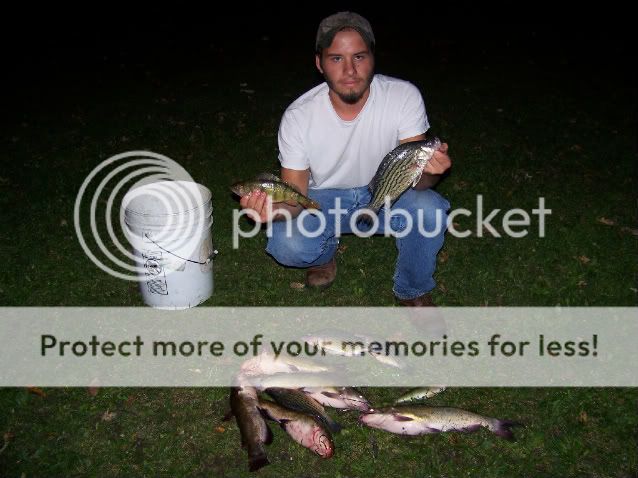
<point x="333" y="24"/>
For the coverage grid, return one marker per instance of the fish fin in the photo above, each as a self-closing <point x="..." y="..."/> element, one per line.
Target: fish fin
<point x="335" y="427"/>
<point x="432" y="430"/>
<point x="293" y="368"/>
<point x="402" y="418"/>
<point x="314" y="205"/>
<point x="469" y="429"/>
<point x="502" y="429"/>
<point x="267" y="177"/>
<point x="417" y="179"/>
<point x="367" y="218"/>
<point x="292" y="202"/>
<point x="268" y="439"/>
<point x="330" y="394"/>
<point x="257" y="462"/>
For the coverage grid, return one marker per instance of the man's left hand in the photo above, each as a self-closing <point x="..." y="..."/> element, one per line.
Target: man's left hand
<point x="440" y="161"/>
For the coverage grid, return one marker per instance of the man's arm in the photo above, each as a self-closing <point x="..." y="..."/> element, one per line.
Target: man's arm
<point x="439" y="163"/>
<point x="261" y="205"/>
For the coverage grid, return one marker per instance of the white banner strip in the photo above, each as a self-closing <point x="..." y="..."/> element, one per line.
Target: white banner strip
<point x="314" y="346"/>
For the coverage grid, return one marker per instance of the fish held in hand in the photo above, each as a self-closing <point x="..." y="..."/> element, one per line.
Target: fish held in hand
<point x="277" y="189"/>
<point x="401" y="168"/>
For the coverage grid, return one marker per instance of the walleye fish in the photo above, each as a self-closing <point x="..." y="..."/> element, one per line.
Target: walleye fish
<point x="301" y="428"/>
<point x="417" y="394"/>
<point x="300" y="402"/>
<point x="276" y="189"/>
<point x="401" y="168"/>
<point x="346" y="398"/>
<point x="419" y="420"/>
<point x="252" y="427"/>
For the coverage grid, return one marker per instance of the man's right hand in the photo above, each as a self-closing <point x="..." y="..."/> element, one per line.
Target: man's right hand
<point x="258" y="206"/>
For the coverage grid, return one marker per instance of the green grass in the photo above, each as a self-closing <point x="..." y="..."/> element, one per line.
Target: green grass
<point x="516" y="131"/>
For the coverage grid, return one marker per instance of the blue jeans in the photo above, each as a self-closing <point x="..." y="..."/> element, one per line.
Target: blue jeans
<point x="416" y="260"/>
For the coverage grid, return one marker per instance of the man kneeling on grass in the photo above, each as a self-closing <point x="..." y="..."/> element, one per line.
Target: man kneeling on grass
<point x="331" y="142"/>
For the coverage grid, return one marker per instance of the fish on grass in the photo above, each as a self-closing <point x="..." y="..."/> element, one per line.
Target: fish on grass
<point x="300" y="427"/>
<point x="421" y="393"/>
<point x="420" y="420"/>
<point x="253" y="429"/>
<point x="298" y="401"/>
<point x="345" y="398"/>
<point x="401" y="168"/>
<point x="277" y="189"/>
<point x="291" y="380"/>
<point x="268" y="364"/>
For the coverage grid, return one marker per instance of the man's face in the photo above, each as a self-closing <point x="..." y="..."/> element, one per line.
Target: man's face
<point x="347" y="65"/>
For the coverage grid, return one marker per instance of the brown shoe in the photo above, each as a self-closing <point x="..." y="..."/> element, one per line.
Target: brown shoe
<point x="322" y="276"/>
<point x="424" y="300"/>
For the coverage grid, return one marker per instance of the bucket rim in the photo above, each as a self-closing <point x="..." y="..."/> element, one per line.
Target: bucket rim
<point x="207" y="195"/>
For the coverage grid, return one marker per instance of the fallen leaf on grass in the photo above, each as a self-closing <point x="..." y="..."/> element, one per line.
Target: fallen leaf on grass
<point x="633" y="232"/>
<point x="220" y="429"/>
<point x="581" y="284"/>
<point x="7" y="438"/>
<point x="108" y="416"/>
<point x="93" y="387"/>
<point x="443" y="257"/>
<point x="606" y="222"/>
<point x="582" y="417"/>
<point x="36" y="391"/>
<point x="297" y="285"/>
<point x="584" y="259"/>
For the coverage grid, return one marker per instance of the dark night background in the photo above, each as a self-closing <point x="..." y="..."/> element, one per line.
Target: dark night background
<point x="50" y="52"/>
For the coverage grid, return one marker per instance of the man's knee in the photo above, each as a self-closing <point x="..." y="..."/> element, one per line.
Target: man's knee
<point x="293" y="249"/>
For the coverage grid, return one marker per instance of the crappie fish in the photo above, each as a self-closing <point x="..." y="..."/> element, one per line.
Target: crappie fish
<point x="276" y="189"/>
<point x="401" y="168"/>
<point x="252" y="427"/>
<point x="419" y="420"/>
<point x="301" y="428"/>
<point x="416" y="394"/>
<point x="339" y="397"/>
<point x="300" y="402"/>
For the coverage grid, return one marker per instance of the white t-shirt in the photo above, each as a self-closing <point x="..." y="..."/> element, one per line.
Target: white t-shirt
<point x="346" y="154"/>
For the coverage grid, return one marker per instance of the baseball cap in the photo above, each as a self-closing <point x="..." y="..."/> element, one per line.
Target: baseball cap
<point x="329" y="27"/>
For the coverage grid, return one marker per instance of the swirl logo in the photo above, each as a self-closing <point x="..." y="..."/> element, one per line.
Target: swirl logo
<point x="161" y="213"/>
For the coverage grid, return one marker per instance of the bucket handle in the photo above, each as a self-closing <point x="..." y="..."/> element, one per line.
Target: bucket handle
<point x="207" y="261"/>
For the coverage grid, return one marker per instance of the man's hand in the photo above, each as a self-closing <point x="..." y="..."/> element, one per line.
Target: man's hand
<point x="258" y="205"/>
<point x="440" y="161"/>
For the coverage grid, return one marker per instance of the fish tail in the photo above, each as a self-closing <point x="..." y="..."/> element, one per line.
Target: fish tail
<point x="258" y="461"/>
<point x="314" y="204"/>
<point x="307" y="202"/>
<point x="502" y="428"/>
<point x="367" y="218"/>
<point x="331" y="425"/>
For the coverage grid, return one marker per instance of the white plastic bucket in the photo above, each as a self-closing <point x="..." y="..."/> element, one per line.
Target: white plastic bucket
<point x="169" y="224"/>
